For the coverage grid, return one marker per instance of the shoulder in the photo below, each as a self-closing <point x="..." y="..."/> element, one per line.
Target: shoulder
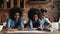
<point x="29" y="20"/>
<point x="21" y="19"/>
<point x="46" y="18"/>
<point x="9" y="19"/>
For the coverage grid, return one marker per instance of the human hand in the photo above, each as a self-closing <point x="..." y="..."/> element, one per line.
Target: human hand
<point x="34" y="28"/>
<point x="40" y="28"/>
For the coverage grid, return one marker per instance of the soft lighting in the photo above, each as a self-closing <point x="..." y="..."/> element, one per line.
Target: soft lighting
<point x="7" y="0"/>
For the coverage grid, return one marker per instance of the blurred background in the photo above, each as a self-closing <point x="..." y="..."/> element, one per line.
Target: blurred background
<point x="52" y="7"/>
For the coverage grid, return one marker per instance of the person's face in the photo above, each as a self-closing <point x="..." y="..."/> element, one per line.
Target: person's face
<point x="44" y="13"/>
<point x="16" y="16"/>
<point x="35" y="17"/>
<point x="41" y="15"/>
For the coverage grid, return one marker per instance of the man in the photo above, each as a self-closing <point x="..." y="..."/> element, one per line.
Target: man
<point x="45" y="24"/>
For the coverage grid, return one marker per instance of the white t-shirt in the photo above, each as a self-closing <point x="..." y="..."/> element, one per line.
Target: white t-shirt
<point x="44" y="20"/>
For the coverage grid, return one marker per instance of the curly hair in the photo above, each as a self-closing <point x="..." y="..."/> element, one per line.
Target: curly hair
<point x="13" y="11"/>
<point x="42" y="11"/>
<point x="32" y="12"/>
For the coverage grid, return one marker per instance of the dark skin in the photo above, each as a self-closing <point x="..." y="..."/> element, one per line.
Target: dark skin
<point x="16" y="16"/>
<point x="35" y="18"/>
<point x="41" y="17"/>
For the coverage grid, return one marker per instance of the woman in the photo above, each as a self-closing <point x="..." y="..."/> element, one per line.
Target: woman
<point x="15" y="19"/>
<point x="33" y="18"/>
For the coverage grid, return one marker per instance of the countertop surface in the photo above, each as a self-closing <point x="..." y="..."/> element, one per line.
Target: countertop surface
<point x="29" y="32"/>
